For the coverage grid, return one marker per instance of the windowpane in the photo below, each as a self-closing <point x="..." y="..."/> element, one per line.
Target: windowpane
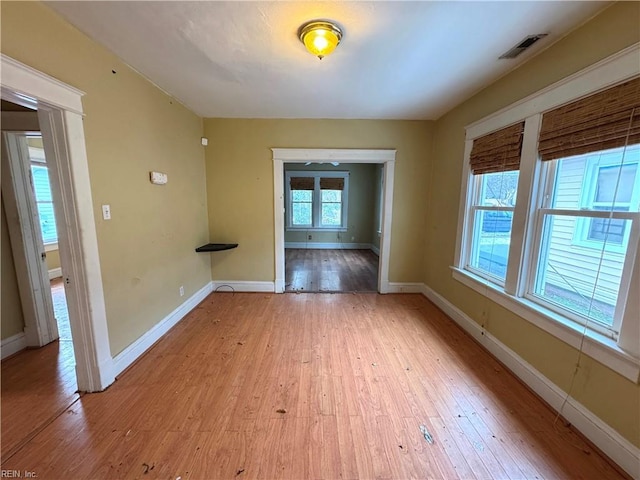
<point x="615" y="183"/>
<point x="302" y="195"/>
<point x="41" y="183"/>
<point x="301" y="214"/>
<point x="332" y="214"/>
<point x="569" y="277"/>
<point x="490" y="248"/>
<point x="499" y="189"/>
<point x="47" y="222"/>
<point x="331" y="195"/>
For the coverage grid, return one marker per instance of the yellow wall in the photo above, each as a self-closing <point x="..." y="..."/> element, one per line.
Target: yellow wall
<point x="360" y="205"/>
<point x="240" y="187"/>
<point x="53" y="259"/>
<point x="131" y="128"/>
<point x="12" y="319"/>
<point x="610" y="396"/>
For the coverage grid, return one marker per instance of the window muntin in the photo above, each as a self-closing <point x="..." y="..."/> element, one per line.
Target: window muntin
<point x="314" y="207"/>
<point x="491" y="217"/>
<point x="583" y="236"/>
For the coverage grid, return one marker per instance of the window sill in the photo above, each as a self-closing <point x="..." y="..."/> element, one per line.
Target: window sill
<point x="50" y="247"/>
<point x="316" y="229"/>
<point x="597" y="346"/>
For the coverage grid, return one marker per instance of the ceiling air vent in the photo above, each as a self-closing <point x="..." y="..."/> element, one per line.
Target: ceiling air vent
<point x="522" y="46"/>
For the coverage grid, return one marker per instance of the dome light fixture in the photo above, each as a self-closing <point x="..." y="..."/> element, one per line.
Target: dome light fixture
<point x="321" y="37"/>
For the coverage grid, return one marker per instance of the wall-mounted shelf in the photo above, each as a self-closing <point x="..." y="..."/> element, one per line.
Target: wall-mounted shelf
<point x="216" y="247"/>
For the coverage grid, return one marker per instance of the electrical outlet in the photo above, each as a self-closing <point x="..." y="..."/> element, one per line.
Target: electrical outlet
<point x="353" y="238"/>
<point x="309" y="237"/>
<point x="181" y="291"/>
<point x="106" y="212"/>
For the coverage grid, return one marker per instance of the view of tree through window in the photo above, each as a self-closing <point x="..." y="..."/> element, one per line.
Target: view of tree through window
<point x="331" y="207"/>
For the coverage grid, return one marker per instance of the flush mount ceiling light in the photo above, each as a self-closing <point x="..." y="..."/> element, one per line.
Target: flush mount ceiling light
<point x="321" y="37"/>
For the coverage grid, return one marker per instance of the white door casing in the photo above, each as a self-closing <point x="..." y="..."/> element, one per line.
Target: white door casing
<point x="281" y="156"/>
<point x="26" y="241"/>
<point x="60" y="115"/>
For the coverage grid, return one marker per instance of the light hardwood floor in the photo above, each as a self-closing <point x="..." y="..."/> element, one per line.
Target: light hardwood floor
<point x="318" y="386"/>
<point x="319" y="270"/>
<point x="38" y="385"/>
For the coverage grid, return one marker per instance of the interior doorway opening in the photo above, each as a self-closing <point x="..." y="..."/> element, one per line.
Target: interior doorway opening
<point x="332" y="227"/>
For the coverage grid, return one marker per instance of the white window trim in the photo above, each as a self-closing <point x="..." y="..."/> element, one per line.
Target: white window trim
<point x="623" y="355"/>
<point x="316" y="204"/>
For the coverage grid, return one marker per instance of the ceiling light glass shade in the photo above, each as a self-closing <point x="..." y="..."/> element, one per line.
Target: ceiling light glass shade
<point x="320" y="38"/>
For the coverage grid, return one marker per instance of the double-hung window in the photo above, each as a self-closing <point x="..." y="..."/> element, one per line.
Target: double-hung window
<point x="566" y="251"/>
<point x="317" y="200"/>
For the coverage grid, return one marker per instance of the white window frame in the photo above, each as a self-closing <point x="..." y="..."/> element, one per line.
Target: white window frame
<point x="587" y="202"/>
<point x="316" y="205"/>
<point x="619" y="352"/>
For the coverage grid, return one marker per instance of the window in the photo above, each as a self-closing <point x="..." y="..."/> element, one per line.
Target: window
<point x="317" y="200"/>
<point x="554" y="236"/>
<point x="42" y="191"/>
<point x="584" y="234"/>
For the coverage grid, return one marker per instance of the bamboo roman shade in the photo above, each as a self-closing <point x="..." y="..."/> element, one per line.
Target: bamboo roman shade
<point x="332" y="183"/>
<point x="498" y="151"/>
<point x="302" y="183"/>
<point x="608" y="119"/>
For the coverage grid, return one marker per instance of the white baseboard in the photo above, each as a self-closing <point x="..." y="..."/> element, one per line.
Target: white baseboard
<point x="328" y="245"/>
<point x="55" y="273"/>
<point x="395" y="287"/>
<point x="243" y="286"/>
<point x="375" y="249"/>
<point x="142" y="344"/>
<point x="618" y="448"/>
<point x="12" y="345"/>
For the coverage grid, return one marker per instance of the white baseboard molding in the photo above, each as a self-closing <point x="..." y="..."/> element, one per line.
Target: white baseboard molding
<point x="12" y="345"/>
<point x="142" y="344"/>
<point x="55" y="273"/>
<point x="328" y="245"/>
<point x="615" y="446"/>
<point x="243" y="286"/>
<point x="375" y="249"/>
<point x="395" y="287"/>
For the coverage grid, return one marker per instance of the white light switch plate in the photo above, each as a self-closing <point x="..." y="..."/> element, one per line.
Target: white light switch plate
<point x="106" y="212"/>
<point x="158" y="178"/>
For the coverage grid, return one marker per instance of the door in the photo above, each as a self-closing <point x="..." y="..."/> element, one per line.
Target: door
<point x="26" y="241"/>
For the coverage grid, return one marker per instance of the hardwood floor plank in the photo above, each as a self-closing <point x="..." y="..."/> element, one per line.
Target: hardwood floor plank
<point x="254" y="386"/>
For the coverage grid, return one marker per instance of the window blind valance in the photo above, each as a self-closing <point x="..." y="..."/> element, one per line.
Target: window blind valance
<point x="302" y="183"/>
<point x="498" y="151"/>
<point x="605" y="120"/>
<point x="332" y="183"/>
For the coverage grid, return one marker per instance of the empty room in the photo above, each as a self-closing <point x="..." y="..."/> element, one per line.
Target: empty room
<point x="320" y="240"/>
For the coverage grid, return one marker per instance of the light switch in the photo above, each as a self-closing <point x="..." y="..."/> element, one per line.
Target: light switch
<point x="106" y="212"/>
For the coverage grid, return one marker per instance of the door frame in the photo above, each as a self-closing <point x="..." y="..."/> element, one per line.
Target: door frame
<point x="40" y="326"/>
<point x="60" y="115"/>
<point x="387" y="157"/>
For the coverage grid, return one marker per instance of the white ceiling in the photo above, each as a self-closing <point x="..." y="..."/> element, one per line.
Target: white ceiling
<point x="397" y="60"/>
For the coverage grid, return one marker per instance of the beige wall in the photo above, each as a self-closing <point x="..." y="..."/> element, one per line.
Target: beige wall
<point x="610" y="396"/>
<point x="360" y="205"/>
<point x="53" y="259"/>
<point x="12" y="319"/>
<point x="240" y="187"/>
<point x="131" y="128"/>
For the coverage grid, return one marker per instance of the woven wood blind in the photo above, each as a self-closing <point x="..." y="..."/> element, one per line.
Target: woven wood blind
<point x="302" y="183"/>
<point x="608" y="119"/>
<point x="332" y="183"/>
<point x="498" y="151"/>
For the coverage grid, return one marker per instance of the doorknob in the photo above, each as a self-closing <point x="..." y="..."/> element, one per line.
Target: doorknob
<point x="44" y="255"/>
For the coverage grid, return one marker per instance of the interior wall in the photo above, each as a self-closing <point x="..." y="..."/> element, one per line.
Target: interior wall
<point x="240" y="186"/>
<point x="131" y="128"/>
<point x="11" y="316"/>
<point x="360" y="205"/>
<point x="611" y="397"/>
<point x="53" y="259"/>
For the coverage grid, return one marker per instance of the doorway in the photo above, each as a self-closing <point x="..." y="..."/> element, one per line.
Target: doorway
<point x="328" y="156"/>
<point x="333" y="218"/>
